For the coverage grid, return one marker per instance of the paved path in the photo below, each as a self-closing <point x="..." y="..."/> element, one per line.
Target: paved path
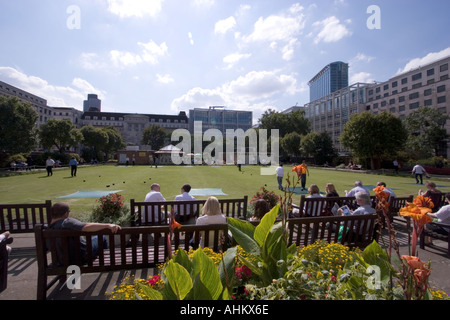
<point x="22" y="273"/>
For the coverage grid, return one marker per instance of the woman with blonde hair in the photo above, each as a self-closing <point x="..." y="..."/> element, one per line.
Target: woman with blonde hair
<point x="211" y="214"/>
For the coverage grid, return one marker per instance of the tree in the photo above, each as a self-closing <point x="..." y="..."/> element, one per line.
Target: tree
<point x="374" y="136"/>
<point x="290" y="143"/>
<point x="115" y="140"/>
<point x="95" y="139"/>
<point x="17" y="126"/>
<point x="154" y="136"/>
<point x="319" y="145"/>
<point x="426" y="131"/>
<point x="285" y="122"/>
<point x="59" y="133"/>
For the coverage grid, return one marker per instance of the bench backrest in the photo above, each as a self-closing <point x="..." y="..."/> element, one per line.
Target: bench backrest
<point x="396" y="203"/>
<point x="130" y="248"/>
<point x="156" y="213"/>
<point x="357" y="230"/>
<point x="21" y="218"/>
<point x="315" y="207"/>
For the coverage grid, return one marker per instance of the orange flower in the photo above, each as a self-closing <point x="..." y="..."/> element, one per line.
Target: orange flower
<point x="420" y="269"/>
<point x="413" y="262"/>
<point x="175" y="225"/>
<point x="417" y="213"/>
<point x="425" y="202"/>
<point x="379" y="192"/>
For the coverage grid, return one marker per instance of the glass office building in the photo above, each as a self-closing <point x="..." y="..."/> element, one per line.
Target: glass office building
<point x="330" y="79"/>
<point x="220" y="118"/>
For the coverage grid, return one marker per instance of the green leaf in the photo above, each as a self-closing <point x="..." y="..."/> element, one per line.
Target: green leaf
<point x="183" y="259"/>
<point x="199" y="291"/>
<point x="266" y="223"/>
<point x="243" y="232"/>
<point x="179" y="279"/>
<point x="150" y="292"/>
<point x="226" y="266"/>
<point x="209" y="275"/>
<point x="373" y="254"/>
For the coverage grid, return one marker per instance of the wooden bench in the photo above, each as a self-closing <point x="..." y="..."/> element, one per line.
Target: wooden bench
<point x="21" y="218"/>
<point x="145" y="248"/>
<point x="235" y="208"/>
<point x="305" y="231"/>
<point x="435" y="235"/>
<point x="4" y="263"/>
<point x="317" y="207"/>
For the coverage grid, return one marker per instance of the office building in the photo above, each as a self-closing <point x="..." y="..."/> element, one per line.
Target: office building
<point x="93" y="103"/>
<point x="131" y="125"/>
<point x="404" y="93"/>
<point x="220" y="118"/>
<point x="39" y="104"/>
<point x="330" y="79"/>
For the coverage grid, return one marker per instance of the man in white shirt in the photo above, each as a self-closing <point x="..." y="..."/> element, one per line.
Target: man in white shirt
<point x="443" y="216"/>
<point x="184" y="196"/>
<point x="358" y="188"/>
<point x="49" y="164"/>
<point x="418" y="172"/>
<point x="387" y="190"/>
<point x="280" y="176"/>
<point x="153" y="196"/>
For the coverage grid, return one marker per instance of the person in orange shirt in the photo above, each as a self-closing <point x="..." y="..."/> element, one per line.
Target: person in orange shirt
<point x="302" y="171"/>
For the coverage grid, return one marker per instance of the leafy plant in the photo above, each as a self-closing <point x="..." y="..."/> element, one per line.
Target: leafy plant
<point x="265" y="244"/>
<point x="192" y="279"/>
<point x="267" y="195"/>
<point x="111" y="209"/>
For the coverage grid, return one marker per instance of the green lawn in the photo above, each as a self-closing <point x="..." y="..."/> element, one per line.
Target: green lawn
<point x="134" y="182"/>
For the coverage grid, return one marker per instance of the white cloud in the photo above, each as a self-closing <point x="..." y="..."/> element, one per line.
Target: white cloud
<point x="148" y="53"/>
<point x="225" y="25"/>
<point x="151" y="52"/>
<point x="363" y="77"/>
<point x="165" y="78"/>
<point x="332" y="30"/>
<point x="361" y="57"/>
<point x="125" y="59"/>
<point x="191" y="40"/>
<point x="135" y="8"/>
<point x="252" y="92"/>
<point x="429" y="58"/>
<point x="234" y="58"/>
<point x="285" y="28"/>
<point x="56" y="96"/>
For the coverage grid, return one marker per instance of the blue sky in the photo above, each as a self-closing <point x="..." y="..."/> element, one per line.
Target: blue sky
<point x="166" y="56"/>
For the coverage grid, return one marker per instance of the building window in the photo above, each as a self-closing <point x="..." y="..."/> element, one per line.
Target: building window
<point x="427" y="92"/>
<point x="414" y="105"/>
<point x="392" y="110"/>
<point x="417" y="76"/>
<point x="394" y="84"/>
<point x="417" y="85"/>
<point x="404" y="80"/>
<point x="401" y="99"/>
<point x="414" y="95"/>
<point x="392" y="101"/>
<point x="444" y="67"/>
<point x="428" y="102"/>
<point x="441" y="88"/>
<point x="430" y="72"/>
<point x="386" y="87"/>
<point x="441" y="99"/>
<point x="401" y="108"/>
